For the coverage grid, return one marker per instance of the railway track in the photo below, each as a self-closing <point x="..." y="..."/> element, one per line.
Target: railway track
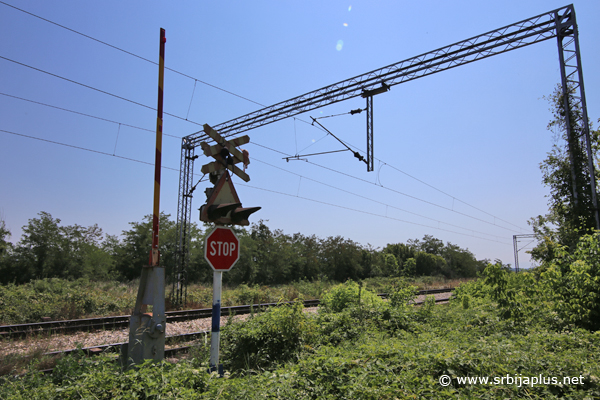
<point x="115" y="348"/>
<point x="122" y="321"/>
<point x="189" y="339"/>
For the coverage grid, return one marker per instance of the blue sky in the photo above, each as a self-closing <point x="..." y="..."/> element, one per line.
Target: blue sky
<point x="475" y="134"/>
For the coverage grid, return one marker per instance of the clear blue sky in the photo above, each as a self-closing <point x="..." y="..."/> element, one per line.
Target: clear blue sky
<point x="475" y="134"/>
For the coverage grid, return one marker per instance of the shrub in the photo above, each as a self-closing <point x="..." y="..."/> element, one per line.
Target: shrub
<point x="401" y="293"/>
<point x="276" y="335"/>
<point x="343" y="295"/>
<point x="61" y="299"/>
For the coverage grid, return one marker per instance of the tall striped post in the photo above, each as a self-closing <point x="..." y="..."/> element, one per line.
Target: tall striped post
<point x="147" y="329"/>
<point x="154" y="254"/>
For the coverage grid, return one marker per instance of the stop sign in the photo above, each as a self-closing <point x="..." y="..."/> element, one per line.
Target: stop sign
<point x="222" y="248"/>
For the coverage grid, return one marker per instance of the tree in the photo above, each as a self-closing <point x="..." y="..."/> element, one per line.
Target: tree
<point x="5" y="253"/>
<point x="340" y="259"/>
<point x="5" y="245"/>
<point x="429" y="245"/>
<point x="458" y="262"/>
<point x="133" y="253"/>
<point x="566" y="173"/>
<point x="401" y="251"/>
<point x="461" y="262"/>
<point x="430" y="265"/>
<point x="49" y="250"/>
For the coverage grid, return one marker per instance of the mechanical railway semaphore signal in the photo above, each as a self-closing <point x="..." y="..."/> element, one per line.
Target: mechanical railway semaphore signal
<point x="223" y="205"/>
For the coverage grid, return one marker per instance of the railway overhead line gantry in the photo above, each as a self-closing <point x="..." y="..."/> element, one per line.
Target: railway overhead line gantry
<point x="560" y="24"/>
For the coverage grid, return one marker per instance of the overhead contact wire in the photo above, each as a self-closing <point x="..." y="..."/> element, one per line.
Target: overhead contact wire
<point x="369" y="199"/>
<point x="368" y="213"/>
<point x="85" y="115"/>
<point x="128" y="52"/>
<point x="96" y="89"/>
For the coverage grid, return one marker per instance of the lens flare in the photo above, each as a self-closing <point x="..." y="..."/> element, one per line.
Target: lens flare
<point x="339" y="45"/>
<point x="345" y="24"/>
<point x="350" y="8"/>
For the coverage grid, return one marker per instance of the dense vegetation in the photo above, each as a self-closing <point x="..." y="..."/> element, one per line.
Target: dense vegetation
<point x="268" y="257"/>
<point x="360" y="347"/>
<point x="60" y="299"/>
<point x="533" y="334"/>
<point x="567" y="174"/>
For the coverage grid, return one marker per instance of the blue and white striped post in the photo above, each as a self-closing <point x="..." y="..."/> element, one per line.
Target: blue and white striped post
<point x="221" y="251"/>
<point x="215" y="335"/>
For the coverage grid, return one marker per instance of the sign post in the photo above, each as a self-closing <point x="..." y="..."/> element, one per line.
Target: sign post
<point x="221" y="251"/>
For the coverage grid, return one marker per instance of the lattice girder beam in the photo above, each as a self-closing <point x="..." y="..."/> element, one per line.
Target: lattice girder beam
<point x="510" y="37"/>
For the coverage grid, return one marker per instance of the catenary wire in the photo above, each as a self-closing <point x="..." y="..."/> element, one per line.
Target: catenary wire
<point x="301" y="197"/>
<point x="216" y="87"/>
<point x="84" y="148"/>
<point x="257" y="144"/>
<point x="96" y="89"/>
<point x="318" y="165"/>
<point x="86" y="115"/>
<point x="367" y="212"/>
<point x="369" y="199"/>
<point x="349" y="145"/>
<point x="396" y="191"/>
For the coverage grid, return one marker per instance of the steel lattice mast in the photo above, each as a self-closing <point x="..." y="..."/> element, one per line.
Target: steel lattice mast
<point x="559" y="23"/>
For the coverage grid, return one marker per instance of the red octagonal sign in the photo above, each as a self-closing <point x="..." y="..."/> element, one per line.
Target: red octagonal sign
<point x="222" y="248"/>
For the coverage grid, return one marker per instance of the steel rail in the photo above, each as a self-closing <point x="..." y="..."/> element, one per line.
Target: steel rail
<point x="122" y="321"/>
<point x="183" y="338"/>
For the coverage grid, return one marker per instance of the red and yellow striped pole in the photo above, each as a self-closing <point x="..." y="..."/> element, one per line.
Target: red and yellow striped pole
<point x="154" y="254"/>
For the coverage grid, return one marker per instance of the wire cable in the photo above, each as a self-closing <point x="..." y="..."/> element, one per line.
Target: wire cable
<point x="449" y="195"/>
<point x="84" y="148"/>
<point x="128" y="52"/>
<point x="288" y="156"/>
<point x="297" y="195"/>
<point x="395" y="191"/>
<point x="96" y="89"/>
<point x="86" y="115"/>
<point x="369" y="199"/>
<point x="349" y="146"/>
<point x="411" y="197"/>
<point x="367" y="212"/>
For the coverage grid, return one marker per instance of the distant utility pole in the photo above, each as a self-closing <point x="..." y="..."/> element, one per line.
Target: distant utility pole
<point x="516" y="246"/>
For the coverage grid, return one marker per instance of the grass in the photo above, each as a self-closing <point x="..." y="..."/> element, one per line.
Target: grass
<point x="58" y="299"/>
<point x="379" y="360"/>
<point x="35" y="358"/>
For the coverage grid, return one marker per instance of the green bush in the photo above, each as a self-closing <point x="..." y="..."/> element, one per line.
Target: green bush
<point x="266" y="339"/>
<point x="336" y="328"/>
<point x="343" y="295"/>
<point x="573" y="281"/>
<point x="101" y="378"/>
<point x="401" y="293"/>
